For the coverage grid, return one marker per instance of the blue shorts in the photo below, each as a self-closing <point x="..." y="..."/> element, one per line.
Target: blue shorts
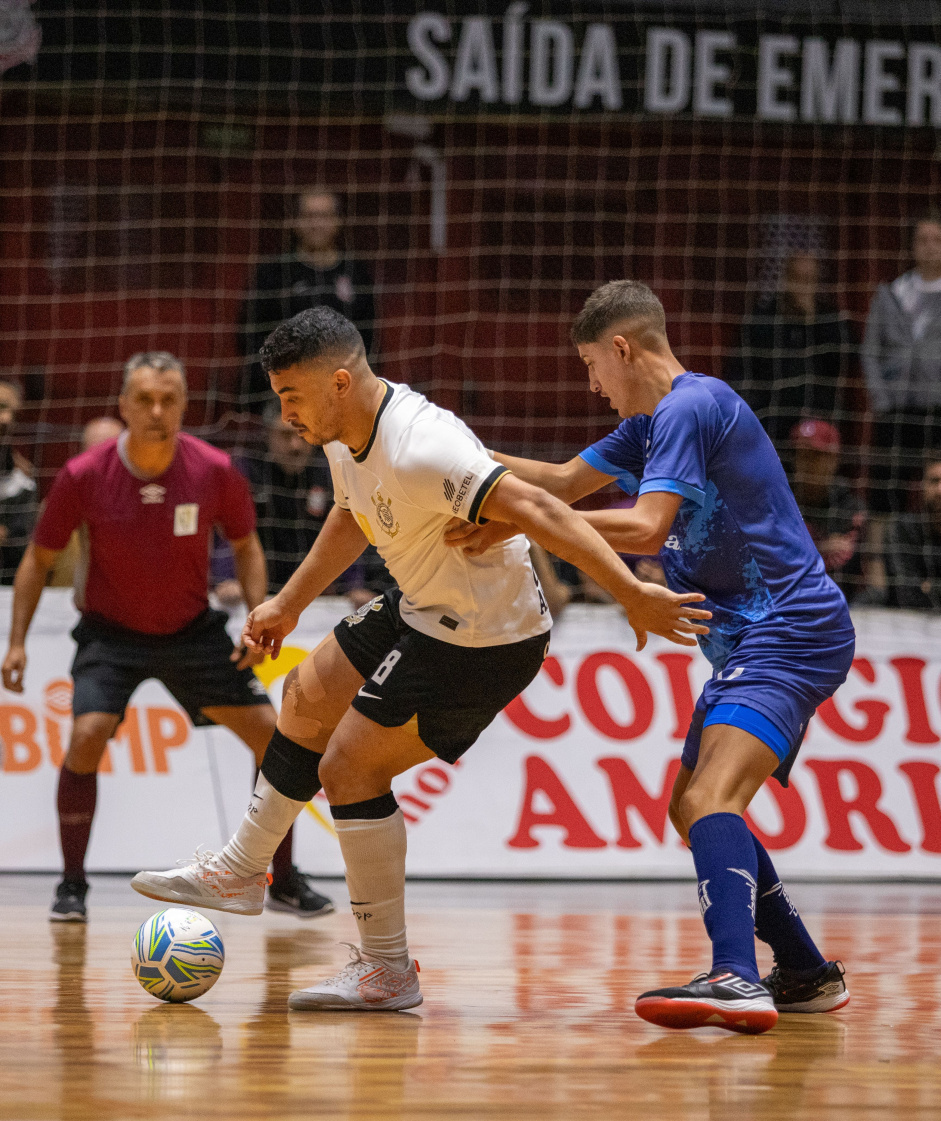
<point x="771" y="684"/>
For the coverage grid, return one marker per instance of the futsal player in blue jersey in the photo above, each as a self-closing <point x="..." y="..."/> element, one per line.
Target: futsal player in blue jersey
<point x="714" y="504"/>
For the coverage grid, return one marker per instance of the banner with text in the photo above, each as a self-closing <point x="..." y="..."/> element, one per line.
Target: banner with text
<point x="573" y="779"/>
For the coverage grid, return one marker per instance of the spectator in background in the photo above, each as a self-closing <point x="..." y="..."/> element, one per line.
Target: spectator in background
<point x="902" y="364"/>
<point x="293" y="492"/>
<point x="18" y="496"/>
<point x="794" y="353"/>
<point x="97" y="431"/>
<point x="318" y="271"/>
<point x="913" y="547"/>
<point x="834" y="515"/>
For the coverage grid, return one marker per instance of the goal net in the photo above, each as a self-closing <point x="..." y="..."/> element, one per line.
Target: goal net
<point x="493" y="163"/>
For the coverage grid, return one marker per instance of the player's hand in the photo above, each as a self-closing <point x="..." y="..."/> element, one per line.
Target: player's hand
<point x="245" y="658"/>
<point x="267" y="627"/>
<point x="837" y="549"/>
<point x="14" y="669"/>
<point x="477" y="539"/>
<point x="657" y="610"/>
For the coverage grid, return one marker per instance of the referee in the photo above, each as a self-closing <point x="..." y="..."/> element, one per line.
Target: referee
<point x="146" y="504"/>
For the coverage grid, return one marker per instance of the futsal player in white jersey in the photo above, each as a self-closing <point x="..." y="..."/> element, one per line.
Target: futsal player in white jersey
<point x="415" y="674"/>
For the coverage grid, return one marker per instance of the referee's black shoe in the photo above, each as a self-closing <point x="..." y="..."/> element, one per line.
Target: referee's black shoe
<point x="69" y="903"/>
<point x="718" y="999"/>
<point x="808" y="990"/>
<point x="294" y="895"/>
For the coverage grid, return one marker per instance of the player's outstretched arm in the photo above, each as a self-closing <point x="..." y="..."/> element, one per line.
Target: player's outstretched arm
<point x="30" y="579"/>
<point x="567" y="481"/>
<point x="650" y="608"/>
<point x="640" y="530"/>
<point x="338" y="545"/>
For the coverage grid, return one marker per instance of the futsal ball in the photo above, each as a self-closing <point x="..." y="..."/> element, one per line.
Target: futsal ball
<point x="178" y="955"/>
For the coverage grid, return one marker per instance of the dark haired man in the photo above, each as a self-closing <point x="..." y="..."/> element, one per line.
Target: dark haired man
<point x="316" y="273"/>
<point x="715" y="504"/>
<point x="793" y="358"/>
<point x="418" y="672"/>
<point x="147" y="501"/>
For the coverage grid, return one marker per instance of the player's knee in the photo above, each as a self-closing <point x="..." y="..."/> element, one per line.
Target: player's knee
<point x="301" y="718"/>
<point x="335" y="772"/>
<point x="85" y="750"/>
<point x="348" y="776"/>
<point x="691" y="805"/>
<point x="676" y="818"/>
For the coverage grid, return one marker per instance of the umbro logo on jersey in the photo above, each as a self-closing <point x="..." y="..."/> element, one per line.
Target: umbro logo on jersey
<point x="450" y="490"/>
<point x="152" y="493"/>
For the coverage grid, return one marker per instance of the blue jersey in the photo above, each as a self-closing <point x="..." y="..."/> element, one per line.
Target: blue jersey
<point x="738" y="536"/>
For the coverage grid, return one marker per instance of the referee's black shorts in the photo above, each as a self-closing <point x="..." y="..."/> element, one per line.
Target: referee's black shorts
<point x="455" y="691"/>
<point x="194" y="665"/>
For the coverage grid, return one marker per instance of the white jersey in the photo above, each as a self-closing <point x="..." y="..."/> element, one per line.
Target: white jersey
<point x="420" y="467"/>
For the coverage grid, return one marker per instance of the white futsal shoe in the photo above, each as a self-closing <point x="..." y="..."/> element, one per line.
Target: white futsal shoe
<point x="362" y="986"/>
<point x="205" y="882"/>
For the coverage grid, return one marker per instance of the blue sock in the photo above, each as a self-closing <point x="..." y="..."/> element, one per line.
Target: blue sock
<point x="777" y="921"/>
<point x="727" y="867"/>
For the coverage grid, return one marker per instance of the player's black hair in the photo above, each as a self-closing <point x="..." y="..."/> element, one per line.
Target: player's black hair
<point x="311" y="334"/>
<point x="617" y="302"/>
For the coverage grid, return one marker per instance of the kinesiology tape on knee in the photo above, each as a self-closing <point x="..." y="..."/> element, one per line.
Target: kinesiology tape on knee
<point x="370" y="810"/>
<point x="290" y="768"/>
<point x="301" y="706"/>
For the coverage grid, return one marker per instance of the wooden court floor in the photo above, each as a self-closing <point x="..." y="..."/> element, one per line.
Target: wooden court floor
<point x="527" y="1014"/>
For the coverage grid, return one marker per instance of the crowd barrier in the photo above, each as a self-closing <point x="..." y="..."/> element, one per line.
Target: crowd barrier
<point x="572" y="779"/>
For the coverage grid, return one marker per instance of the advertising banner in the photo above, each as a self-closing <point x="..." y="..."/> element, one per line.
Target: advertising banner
<point x="571" y="780"/>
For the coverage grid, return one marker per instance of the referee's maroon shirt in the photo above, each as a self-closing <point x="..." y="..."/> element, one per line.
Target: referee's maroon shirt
<point x="148" y="538"/>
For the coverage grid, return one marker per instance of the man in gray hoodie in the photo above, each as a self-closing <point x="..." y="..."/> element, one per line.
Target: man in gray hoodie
<point x="902" y="363"/>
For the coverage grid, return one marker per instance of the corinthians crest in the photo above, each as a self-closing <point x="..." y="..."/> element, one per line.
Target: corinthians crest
<point x="387" y="521"/>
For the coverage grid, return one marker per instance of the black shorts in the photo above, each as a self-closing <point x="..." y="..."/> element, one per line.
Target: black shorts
<point x="455" y="691"/>
<point x="193" y="664"/>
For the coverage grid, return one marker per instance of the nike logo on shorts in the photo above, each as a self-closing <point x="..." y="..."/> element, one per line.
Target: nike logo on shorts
<point x="372" y="696"/>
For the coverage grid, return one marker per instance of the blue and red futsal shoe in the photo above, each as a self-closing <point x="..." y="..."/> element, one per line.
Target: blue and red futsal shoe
<point x="718" y="999"/>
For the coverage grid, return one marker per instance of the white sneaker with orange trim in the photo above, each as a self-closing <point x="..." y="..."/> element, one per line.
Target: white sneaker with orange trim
<point x="205" y="882"/>
<point x="362" y="986"/>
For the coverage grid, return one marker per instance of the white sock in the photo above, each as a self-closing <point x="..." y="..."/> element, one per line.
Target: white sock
<point x="268" y="818"/>
<point x="374" y="854"/>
